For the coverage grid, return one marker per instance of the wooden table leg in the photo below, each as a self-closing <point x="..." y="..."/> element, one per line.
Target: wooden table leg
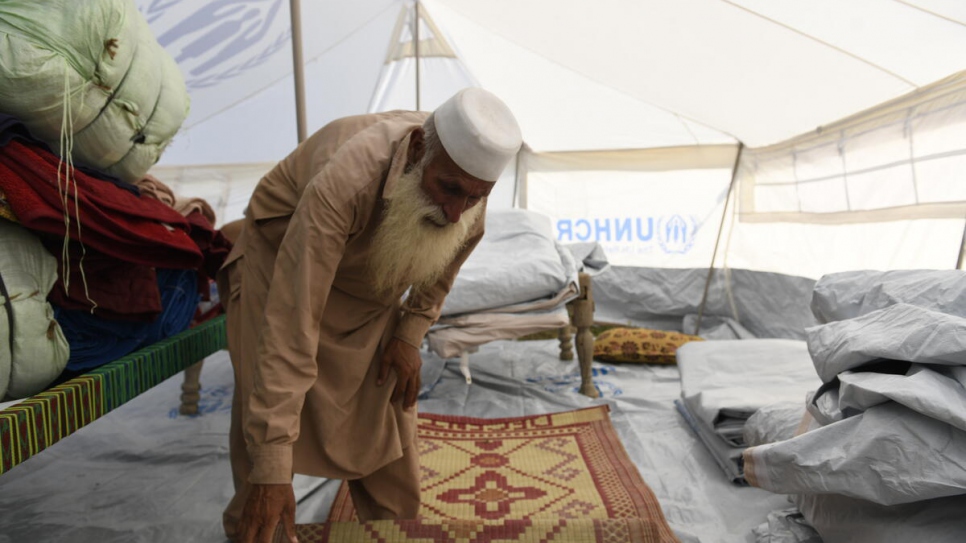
<point x="566" y="342"/>
<point x="190" y="389"/>
<point x="582" y="318"/>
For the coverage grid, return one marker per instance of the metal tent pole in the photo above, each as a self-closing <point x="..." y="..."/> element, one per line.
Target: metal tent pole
<point x="962" y="250"/>
<point x="416" y="42"/>
<point x="297" y="67"/>
<point x="717" y="241"/>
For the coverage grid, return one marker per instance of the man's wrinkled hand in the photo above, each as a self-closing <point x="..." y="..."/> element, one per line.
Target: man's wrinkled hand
<point x="266" y="507"/>
<point x="405" y="360"/>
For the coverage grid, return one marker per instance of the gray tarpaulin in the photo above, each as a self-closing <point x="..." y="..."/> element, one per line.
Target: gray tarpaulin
<point x="143" y="473"/>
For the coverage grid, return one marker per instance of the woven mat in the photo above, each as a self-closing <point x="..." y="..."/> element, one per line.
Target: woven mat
<point x="557" y="477"/>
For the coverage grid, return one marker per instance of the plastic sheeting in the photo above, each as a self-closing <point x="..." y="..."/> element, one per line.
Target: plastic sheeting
<point x="725" y="383"/>
<point x="889" y="423"/>
<point x="768" y="305"/>
<point x="145" y="474"/>
<point x="846" y="295"/>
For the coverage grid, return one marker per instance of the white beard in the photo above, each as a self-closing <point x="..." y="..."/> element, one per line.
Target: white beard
<point x="408" y="247"/>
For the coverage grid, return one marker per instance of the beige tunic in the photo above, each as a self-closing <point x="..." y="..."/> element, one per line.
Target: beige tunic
<point x="305" y="327"/>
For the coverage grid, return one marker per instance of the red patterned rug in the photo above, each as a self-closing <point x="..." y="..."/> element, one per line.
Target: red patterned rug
<point x="562" y="477"/>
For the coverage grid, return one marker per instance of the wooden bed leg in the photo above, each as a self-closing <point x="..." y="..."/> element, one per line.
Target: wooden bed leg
<point x="582" y="317"/>
<point x="566" y="342"/>
<point x="190" y="389"/>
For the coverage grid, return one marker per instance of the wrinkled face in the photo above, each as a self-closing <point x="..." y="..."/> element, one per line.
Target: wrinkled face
<point x="447" y="185"/>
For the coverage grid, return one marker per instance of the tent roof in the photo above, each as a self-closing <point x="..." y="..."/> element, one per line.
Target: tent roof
<point x="579" y="75"/>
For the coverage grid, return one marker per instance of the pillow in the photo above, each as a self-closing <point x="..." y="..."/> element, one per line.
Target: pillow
<point x="640" y="345"/>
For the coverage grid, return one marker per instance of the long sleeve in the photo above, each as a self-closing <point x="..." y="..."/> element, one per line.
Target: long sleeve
<point x="286" y="366"/>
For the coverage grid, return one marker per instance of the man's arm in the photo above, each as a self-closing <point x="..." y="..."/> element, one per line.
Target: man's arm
<point x="286" y="366"/>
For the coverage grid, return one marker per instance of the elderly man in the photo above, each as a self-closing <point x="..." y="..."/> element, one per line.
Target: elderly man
<point x="325" y="352"/>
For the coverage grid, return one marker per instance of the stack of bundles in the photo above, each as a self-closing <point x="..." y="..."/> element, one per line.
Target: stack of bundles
<point x="120" y="253"/>
<point x="89" y="73"/>
<point x="884" y="456"/>
<point x="33" y="350"/>
<point x="88" y="102"/>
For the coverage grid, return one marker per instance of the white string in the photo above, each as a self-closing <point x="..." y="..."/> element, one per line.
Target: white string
<point x="67" y="152"/>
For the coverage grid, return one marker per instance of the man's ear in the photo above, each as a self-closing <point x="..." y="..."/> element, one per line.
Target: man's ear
<point x="416" y="149"/>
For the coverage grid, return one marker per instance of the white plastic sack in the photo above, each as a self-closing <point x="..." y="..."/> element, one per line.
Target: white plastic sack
<point x="98" y="61"/>
<point x="40" y="351"/>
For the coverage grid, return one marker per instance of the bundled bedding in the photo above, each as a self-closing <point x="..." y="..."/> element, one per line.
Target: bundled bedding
<point x="33" y="349"/>
<point x="517" y="281"/>
<point x="89" y="73"/>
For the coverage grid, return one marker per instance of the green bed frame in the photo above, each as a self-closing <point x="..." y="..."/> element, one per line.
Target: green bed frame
<point x="38" y="422"/>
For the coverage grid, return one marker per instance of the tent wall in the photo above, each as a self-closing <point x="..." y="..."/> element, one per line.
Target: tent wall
<point x="882" y="189"/>
<point x="651" y="207"/>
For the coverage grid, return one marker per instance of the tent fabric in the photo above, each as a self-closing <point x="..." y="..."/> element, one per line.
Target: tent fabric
<point x="848" y="116"/>
<point x="892" y="162"/>
<point x="745" y="70"/>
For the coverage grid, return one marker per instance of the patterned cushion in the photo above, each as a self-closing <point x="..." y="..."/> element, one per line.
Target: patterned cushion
<point x="640" y="345"/>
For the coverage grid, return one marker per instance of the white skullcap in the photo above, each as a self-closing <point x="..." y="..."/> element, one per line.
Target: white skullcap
<point x="478" y="132"/>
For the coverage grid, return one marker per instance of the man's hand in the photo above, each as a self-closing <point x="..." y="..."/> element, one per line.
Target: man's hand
<point x="268" y="505"/>
<point x="405" y="359"/>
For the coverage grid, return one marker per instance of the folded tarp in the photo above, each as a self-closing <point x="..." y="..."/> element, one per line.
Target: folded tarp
<point x="846" y="295"/>
<point x="726" y="455"/>
<point x="890" y="420"/>
<point x="33" y="350"/>
<point x="92" y="72"/>
<point x="725" y="382"/>
<point x="840" y="519"/>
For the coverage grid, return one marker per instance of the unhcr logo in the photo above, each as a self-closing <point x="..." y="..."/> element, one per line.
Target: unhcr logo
<point x="674" y="234"/>
<point x="217" y="40"/>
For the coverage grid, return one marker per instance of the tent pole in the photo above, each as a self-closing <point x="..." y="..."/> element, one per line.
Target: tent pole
<point x="416" y="34"/>
<point x="297" y="67"/>
<point x="717" y="241"/>
<point x="962" y="250"/>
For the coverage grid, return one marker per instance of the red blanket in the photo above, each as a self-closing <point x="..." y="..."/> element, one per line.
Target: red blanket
<point x="102" y="216"/>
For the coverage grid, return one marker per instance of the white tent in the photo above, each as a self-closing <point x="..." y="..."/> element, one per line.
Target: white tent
<point x="850" y="116"/>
